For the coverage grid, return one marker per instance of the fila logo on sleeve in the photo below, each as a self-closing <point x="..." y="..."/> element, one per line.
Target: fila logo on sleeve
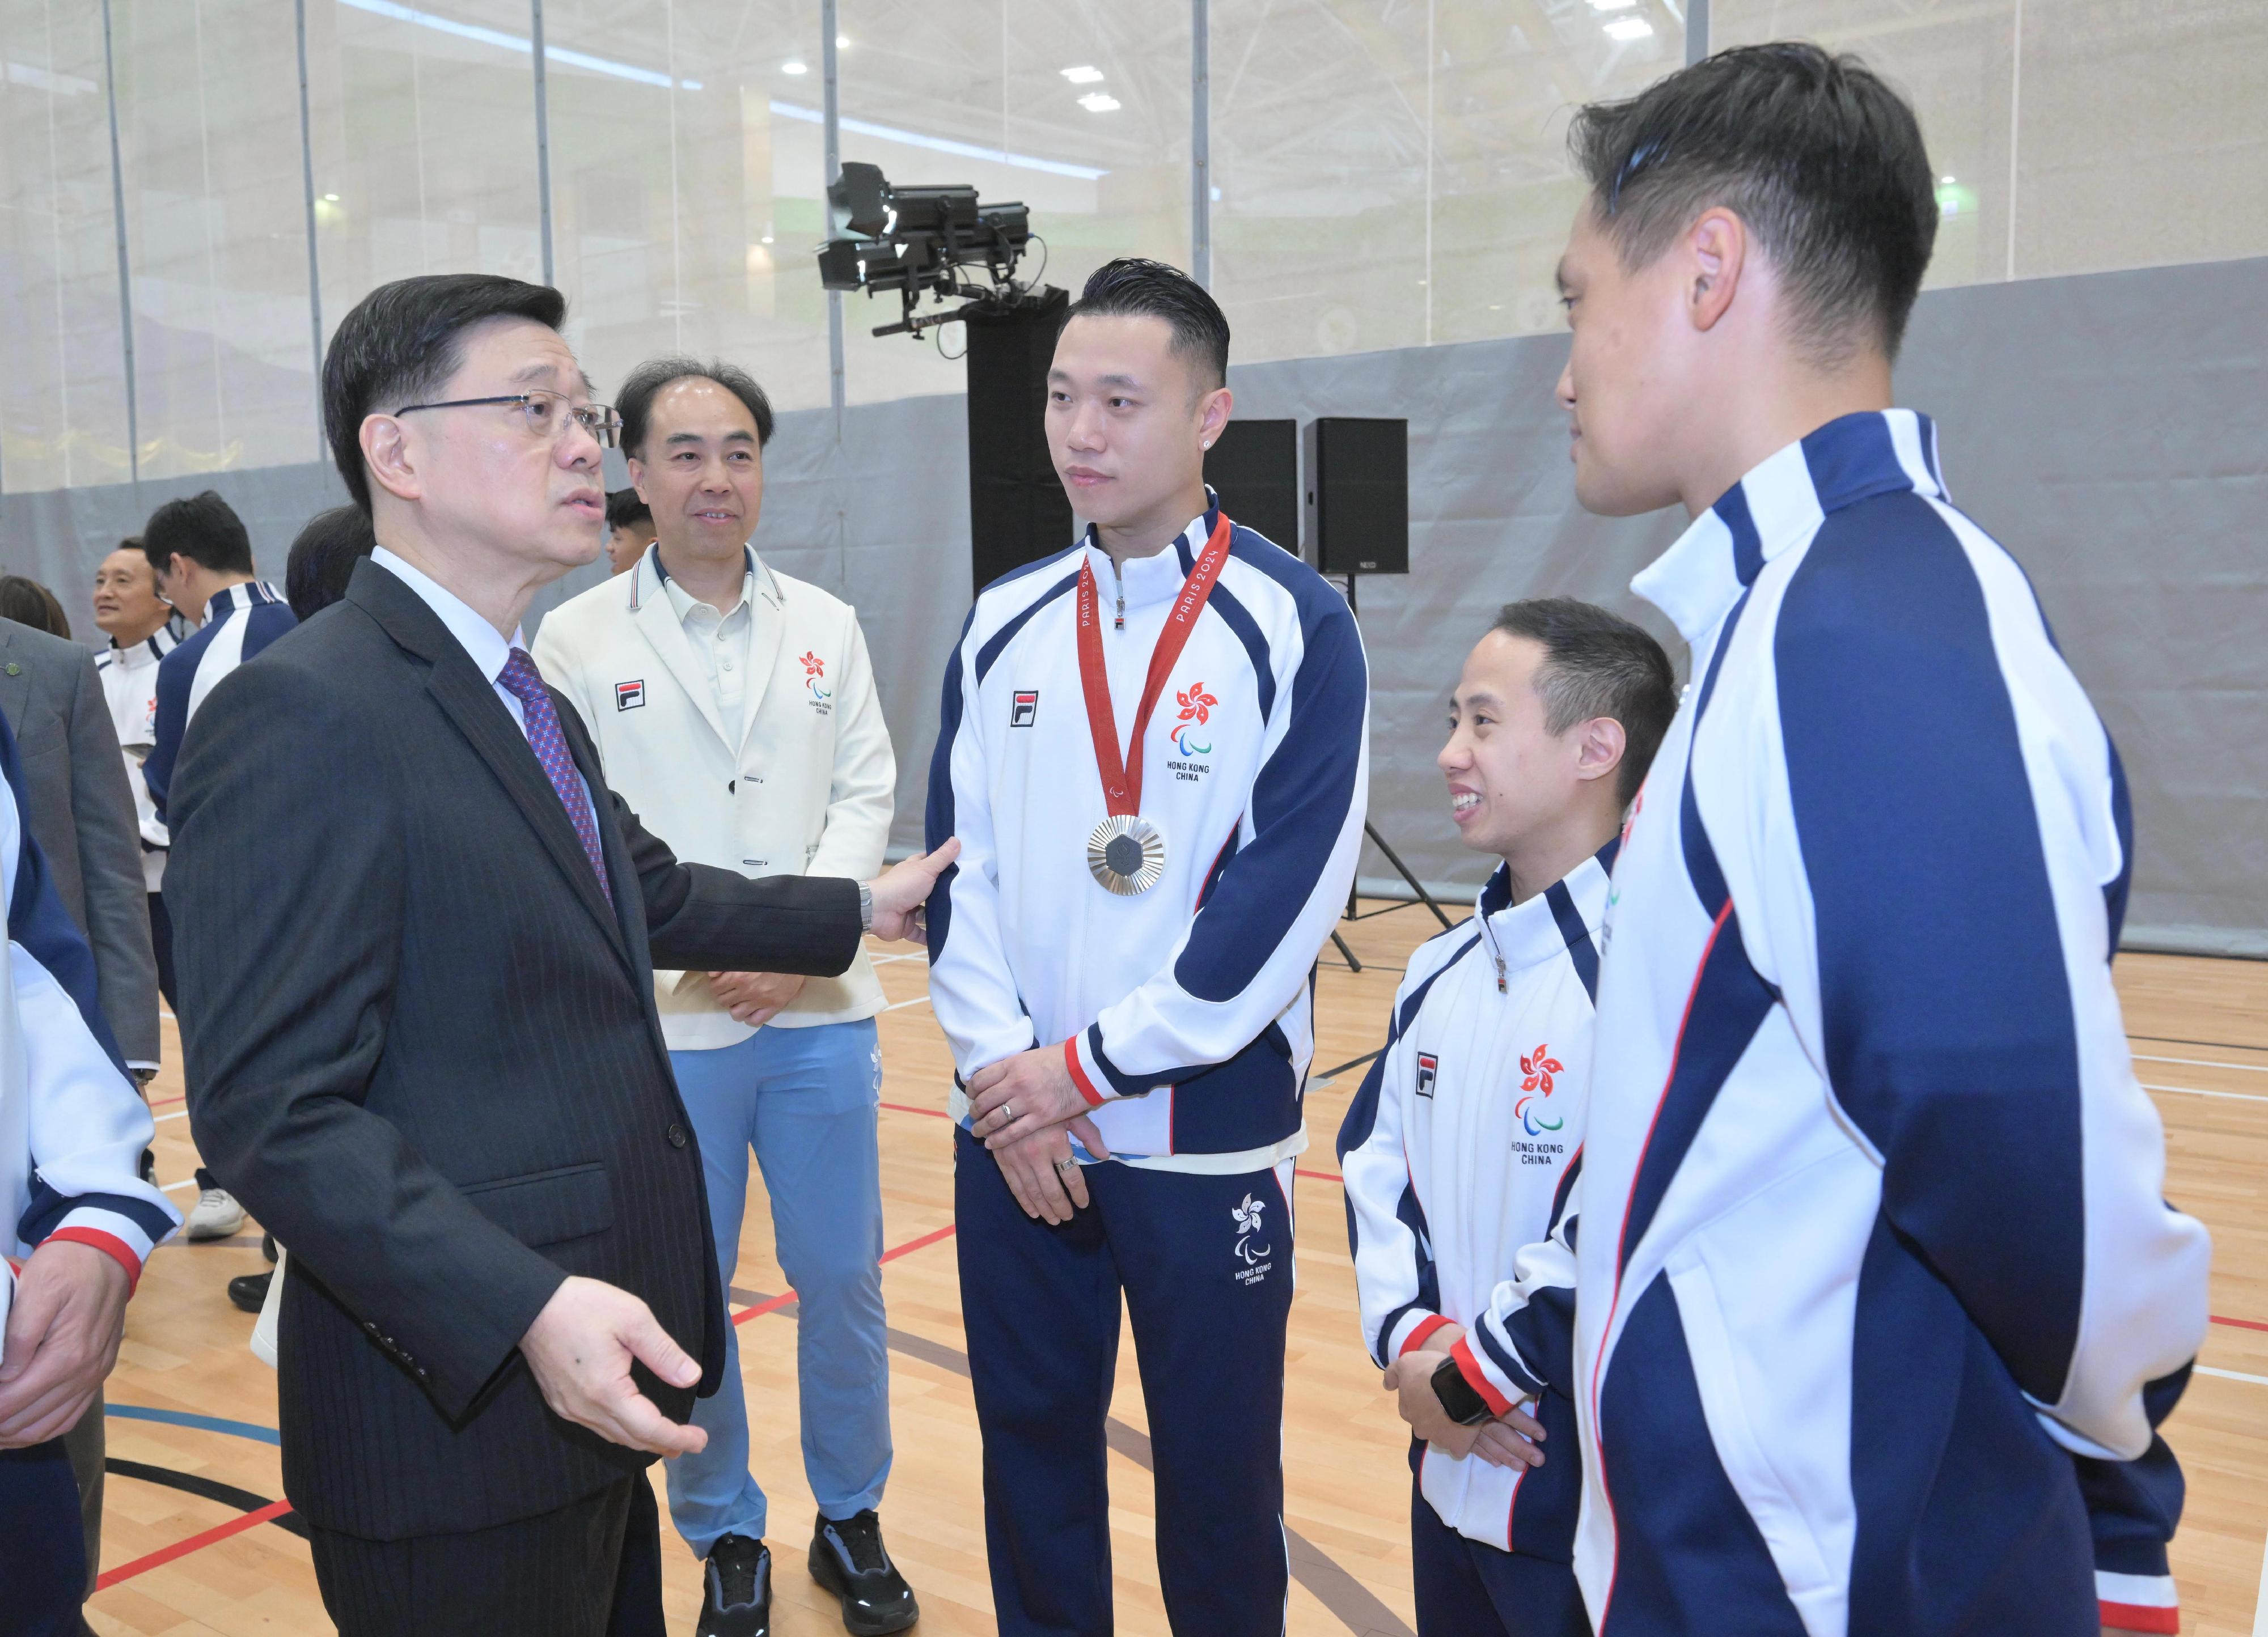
<point x="1429" y="1070"/>
<point x="630" y="695"/>
<point x="1023" y="707"/>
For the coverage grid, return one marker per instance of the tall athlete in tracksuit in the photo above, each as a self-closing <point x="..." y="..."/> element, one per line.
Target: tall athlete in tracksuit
<point x="1874" y="1238"/>
<point x="1124" y="956"/>
<point x="1462" y="1148"/>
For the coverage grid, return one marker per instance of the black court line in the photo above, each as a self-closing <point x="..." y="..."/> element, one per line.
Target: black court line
<point x="205" y="1488"/>
<point x="1346" y="1598"/>
<point x="2176" y="1039"/>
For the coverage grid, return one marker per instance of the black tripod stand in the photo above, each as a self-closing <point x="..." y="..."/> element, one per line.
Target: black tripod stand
<point x="1354" y="912"/>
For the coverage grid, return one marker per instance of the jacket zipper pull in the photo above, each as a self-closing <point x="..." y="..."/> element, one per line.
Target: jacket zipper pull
<point x="1118" y="579"/>
<point x="1500" y="989"/>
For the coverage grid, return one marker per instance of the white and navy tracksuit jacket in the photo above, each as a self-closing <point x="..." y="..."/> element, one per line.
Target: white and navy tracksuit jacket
<point x="72" y="1127"/>
<point x="129" y="688"/>
<point x="1875" y="1237"/>
<point x="1186" y="1012"/>
<point x="1459" y="1152"/>
<point x="240" y="622"/>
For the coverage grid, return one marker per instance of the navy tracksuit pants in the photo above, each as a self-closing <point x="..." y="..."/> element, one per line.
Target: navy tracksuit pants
<point x="42" y="1542"/>
<point x="1204" y="1263"/>
<point x="1465" y="1588"/>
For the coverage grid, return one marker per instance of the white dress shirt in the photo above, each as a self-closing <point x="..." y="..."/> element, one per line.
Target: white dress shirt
<point x="721" y="641"/>
<point x="483" y="645"/>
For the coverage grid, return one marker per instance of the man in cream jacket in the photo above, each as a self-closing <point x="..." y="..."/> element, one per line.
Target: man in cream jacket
<point x="735" y="710"/>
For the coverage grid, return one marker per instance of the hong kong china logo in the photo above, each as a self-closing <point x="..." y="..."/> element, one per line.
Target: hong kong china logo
<point x="1197" y="710"/>
<point x="1536" y="1071"/>
<point x="815" y="668"/>
<point x="1247" y="1216"/>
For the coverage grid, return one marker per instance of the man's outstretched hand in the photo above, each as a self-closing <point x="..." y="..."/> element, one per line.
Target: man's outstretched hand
<point x="900" y="890"/>
<point x="580" y="1348"/>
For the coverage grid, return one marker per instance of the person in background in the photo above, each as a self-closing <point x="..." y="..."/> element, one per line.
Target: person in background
<point x="1462" y="1149"/>
<point x="77" y="1222"/>
<point x="752" y="733"/>
<point x="143" y="628"/>
<point x="629" y="529"/>
<point x="323" y="558"/>
<point x="201" y="556"/>
<point x="78" y="803"/>
<point x="27" y="602"/>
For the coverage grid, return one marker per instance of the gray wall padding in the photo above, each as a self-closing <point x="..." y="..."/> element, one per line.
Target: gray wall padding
<point x="2109" y="428"/>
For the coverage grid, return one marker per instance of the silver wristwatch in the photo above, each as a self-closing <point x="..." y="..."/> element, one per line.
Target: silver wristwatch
<point x="865" y="907"/>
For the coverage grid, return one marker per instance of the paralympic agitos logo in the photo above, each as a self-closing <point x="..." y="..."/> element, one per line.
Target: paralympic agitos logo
<point x="1536" y="1070"/>
<point x="1197" y="710"/>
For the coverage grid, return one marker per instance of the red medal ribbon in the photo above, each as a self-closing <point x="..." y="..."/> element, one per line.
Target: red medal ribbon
<point x="1122" y="775"/>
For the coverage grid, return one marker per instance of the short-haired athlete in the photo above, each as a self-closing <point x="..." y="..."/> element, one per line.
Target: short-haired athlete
<point x="1877" y="1238"/>
<point x="1462" y="1148"/>
<point x="1152" y="746"/>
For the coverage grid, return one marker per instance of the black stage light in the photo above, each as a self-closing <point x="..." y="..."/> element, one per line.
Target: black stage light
<point x="925" y="241"/>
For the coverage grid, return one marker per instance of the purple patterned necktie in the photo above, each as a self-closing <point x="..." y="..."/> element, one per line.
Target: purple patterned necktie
<point x="549" y="745"/>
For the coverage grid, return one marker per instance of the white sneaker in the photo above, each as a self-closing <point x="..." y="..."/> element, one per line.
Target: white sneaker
<point x="216" y="1216"/>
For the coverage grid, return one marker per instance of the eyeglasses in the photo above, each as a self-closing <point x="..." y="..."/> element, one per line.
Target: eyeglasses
<point x="548" y="414"/>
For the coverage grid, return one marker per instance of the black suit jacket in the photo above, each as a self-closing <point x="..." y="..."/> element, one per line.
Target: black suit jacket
<point x="422" y="1048"/>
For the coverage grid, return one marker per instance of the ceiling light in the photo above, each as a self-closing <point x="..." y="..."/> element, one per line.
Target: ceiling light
<point x="1612" y="5"/>
<point x="1945" y="180"/>
<point x="1099" y="102"/>
<point x="795" y="68"/>
<point x="330" y="199"/>
<point x="1084" y="74"/>
<point x="1629" y="28"/>
<point x="842" y="42"/>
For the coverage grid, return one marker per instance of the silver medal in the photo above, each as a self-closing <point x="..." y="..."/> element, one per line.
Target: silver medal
<point x="1127" y="854"/>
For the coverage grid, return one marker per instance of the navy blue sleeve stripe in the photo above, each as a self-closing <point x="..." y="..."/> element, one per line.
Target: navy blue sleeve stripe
<point x="1565" y="1191"/>
<point x="1239" y="619"/>
<point x="1948" y="1021"/>
<point x="1700" y="857"/>
<point x="1729" y="1004"/>
<point x="1000" y="639"/>
<point x="177" y="674"/>
<point x="1607" y="854"/>
<point x="2122" y="817"/>
<point x="937" y="819"/>
<point x="1300" y="804"/>
<point x="1578" y="937"/>
<point x="46" y="1209"/>
<point x="38" y="920"/>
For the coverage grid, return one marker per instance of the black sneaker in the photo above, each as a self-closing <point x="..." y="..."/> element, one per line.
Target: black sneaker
<point x="250" y="1291"/>
<point x="736" y="1590"/>
<point x="848" y="1559"/>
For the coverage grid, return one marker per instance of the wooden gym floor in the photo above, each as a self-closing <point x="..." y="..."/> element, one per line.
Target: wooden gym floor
<point x="197" y="1539"/>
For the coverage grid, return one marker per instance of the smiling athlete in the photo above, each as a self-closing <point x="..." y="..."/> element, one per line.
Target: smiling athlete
<point x="1461" y="1147"/>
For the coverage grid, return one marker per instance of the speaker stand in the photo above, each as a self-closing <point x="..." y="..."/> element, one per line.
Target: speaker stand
<point x="1354" y="912"/>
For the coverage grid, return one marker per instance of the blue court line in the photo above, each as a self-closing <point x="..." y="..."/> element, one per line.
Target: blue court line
<point x="205" y="1423"/>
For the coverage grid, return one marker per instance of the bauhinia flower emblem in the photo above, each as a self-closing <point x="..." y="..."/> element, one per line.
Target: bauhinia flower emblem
<point x="1196" y="704"/>
<point x="1539" y="1068"/>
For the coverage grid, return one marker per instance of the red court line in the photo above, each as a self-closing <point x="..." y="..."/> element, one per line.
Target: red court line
<point x="167" y="1102"/>
<point x="1320" y="1176"/>
<point x="772" y="1304"/>
<point x="2241" y="1323"/>
<point x="182" y="1548"/>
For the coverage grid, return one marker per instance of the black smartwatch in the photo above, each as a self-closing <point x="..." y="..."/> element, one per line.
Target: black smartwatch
<point x="1464" y="1407"/>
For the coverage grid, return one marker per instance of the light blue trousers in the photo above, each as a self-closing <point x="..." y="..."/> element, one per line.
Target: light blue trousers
<point x="805" y="1101"/>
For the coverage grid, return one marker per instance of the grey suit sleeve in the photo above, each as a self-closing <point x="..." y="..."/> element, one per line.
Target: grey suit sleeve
<point x="286" y="888"/>
<point x="110" y="870"/>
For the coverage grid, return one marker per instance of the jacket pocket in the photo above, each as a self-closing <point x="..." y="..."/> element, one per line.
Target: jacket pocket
<point x="546" y="1206"/>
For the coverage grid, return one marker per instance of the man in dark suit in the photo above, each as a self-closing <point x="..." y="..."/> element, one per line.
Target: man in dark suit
<point x="82" y="810"/>
<point x="416" y="942"/>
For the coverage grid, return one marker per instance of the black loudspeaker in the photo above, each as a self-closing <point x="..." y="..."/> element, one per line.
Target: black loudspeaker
<point x="1358" y="495"/>
<point x="1253" y="467"/>
<point x="1017" y="512"/>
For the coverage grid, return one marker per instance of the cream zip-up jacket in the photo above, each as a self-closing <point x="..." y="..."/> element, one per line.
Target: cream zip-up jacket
<point x="801" y="784"/>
